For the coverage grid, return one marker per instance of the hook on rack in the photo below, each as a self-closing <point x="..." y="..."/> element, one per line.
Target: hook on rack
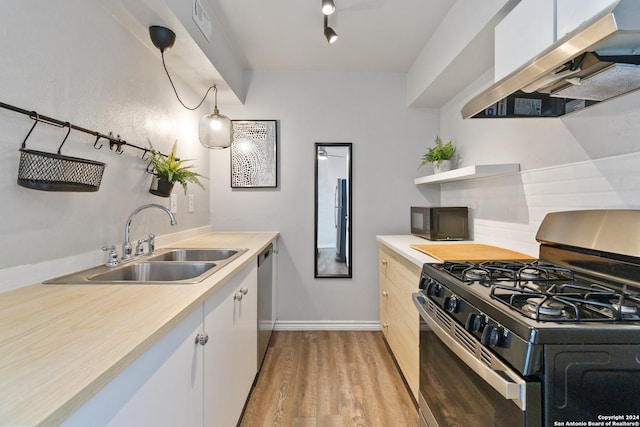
<point x="67" y="124"/>
<point x="95" y="144"/>
<point x="144" y="154"/>
<point x="150" y="168"/>
<point x="36" y="119"/>
<point x="116" y="142"/>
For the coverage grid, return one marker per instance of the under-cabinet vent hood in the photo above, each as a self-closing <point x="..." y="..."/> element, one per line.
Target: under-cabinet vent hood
<point x="598" y="61"/>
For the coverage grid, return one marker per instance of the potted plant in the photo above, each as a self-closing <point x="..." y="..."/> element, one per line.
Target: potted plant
<point x="441" y="156"/>
<point x="168" y="170"/>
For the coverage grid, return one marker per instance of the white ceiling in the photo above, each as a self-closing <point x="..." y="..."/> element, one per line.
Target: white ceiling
<point x="287" y="35"/>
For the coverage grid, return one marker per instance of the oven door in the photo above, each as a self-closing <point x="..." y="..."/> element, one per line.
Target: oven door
<point x="463" y="384"/>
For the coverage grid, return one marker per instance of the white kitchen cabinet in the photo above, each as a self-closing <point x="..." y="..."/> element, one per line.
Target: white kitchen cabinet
<point x="230" y="356"/>
<point x="572" y="13"/>
<point x="179" y="382"/>
<point x="162" y="388"/>
<point x="525" y="32"/>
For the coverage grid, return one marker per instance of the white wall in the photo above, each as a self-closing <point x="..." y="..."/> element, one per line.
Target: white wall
<point x="585" y="160"/>
<point x="388" y="139"/>
<point x="71" y="60"/>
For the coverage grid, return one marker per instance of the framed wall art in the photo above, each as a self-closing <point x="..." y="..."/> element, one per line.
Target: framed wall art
<point x="254" y="154"/>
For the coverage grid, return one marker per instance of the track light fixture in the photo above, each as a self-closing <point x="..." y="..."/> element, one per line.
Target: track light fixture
<point x="328" y="7"/>
<point x="215" y="129"/>
<point x="328" y="31"/>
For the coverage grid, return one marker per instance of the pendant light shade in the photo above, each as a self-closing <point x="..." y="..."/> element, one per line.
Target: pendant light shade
<point x="215" y="130"/>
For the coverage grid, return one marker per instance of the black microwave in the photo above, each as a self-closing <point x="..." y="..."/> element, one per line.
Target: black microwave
<point x="440" y="223"/>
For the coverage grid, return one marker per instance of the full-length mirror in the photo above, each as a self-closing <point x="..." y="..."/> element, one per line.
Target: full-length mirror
<point x="333" y="209"/>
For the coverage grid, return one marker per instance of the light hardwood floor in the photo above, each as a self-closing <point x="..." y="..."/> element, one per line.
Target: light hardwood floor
<point x="329" y="378"/>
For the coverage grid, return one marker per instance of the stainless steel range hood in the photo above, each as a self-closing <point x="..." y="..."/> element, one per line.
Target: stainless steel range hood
<point x="597" y="61"/>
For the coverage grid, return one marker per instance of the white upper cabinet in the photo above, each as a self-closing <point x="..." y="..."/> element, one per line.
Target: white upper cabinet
<point x="534" y="25"/>
<point x="525" y="32"/>
<point x="572" y="13"/>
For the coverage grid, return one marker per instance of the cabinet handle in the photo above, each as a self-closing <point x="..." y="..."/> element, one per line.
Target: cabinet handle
<point x="244" y="291"/>
<point x="238" y="296"/>
<point x="202" y="339"/>
<point x="385" y="325"/>
<point x="385" y="293"/>
<point x="384" y="261"/>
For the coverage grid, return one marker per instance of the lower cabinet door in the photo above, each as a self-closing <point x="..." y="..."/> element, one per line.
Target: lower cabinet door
<point x="162" y="388"/>
<point x="231" y="353"/>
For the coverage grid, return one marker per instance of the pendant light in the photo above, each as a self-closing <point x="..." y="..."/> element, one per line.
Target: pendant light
<point x="214" y="130"/>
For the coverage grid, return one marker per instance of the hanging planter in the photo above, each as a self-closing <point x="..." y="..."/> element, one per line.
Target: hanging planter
<point x="161" y="187"/>
<point x="168" y="170"/>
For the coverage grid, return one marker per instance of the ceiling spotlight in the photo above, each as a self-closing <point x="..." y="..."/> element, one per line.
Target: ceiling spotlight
<point x="328" y="7"/>
<point x="215" y="129"/>
<point x="328" y="31"/>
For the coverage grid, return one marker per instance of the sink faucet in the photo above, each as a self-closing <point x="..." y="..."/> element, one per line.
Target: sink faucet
<point x="126" y="246"/>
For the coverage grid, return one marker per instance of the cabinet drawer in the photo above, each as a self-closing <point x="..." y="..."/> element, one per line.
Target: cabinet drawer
<point x="399" y="269"/>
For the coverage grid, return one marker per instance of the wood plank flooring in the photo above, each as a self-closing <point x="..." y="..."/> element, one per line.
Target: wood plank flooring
<point x="329" y="379"/>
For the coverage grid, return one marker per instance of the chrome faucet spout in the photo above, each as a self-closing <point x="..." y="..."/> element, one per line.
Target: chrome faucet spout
<point x="126" y="246"/>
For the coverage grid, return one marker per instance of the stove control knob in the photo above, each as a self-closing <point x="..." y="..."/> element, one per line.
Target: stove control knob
<point x="433" y="289"/>
<point x="424" y="283"/>
<point x="452" y="304"/>
<point x="475" y="323"/>
<point x="492" y="335"/>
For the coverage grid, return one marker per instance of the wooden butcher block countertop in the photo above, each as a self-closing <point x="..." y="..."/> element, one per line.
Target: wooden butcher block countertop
<point x="60" y="344"/>
<point x="470" y="252"/>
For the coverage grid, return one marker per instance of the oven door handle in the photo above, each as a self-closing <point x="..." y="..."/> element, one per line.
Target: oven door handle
<point x="505" y="381"/>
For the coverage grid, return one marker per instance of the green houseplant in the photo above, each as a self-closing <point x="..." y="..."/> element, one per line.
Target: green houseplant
<point x="169" y="169"/>
<point x="440" y="153"/>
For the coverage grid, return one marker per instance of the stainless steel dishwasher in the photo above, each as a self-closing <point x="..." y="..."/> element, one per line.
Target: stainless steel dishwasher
<point x="266" y="315"/>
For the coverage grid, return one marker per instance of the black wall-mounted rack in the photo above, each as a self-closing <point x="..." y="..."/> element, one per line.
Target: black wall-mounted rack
<point x="115" y="142"/>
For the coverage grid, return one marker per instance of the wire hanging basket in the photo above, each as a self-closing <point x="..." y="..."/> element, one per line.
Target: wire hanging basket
<point x="39" y="170"/>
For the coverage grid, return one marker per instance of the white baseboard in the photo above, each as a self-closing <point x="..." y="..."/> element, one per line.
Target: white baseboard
<point x="287" y="325"/>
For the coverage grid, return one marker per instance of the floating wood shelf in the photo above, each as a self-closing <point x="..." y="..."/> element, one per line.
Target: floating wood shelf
<point x="468" y="172"/>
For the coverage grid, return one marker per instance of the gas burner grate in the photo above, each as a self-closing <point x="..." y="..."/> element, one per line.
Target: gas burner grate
<point x="570" y="303"/>
<point x="534" y="276"/>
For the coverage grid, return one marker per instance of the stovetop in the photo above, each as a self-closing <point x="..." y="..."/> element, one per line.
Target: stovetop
<point x="548" y="293"/>
<point x="540" y="302"/>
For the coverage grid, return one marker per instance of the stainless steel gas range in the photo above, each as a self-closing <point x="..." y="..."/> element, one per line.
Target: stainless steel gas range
<point x="554" y="342"/>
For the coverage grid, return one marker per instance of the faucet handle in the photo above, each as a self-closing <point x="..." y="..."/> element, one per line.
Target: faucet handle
<point x="152" y="243"/>
<point x="112" y="256"/>
<point x="139" y="248"/>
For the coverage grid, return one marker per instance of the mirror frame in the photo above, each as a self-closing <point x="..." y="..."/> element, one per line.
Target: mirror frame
<point x="349" y="146"/>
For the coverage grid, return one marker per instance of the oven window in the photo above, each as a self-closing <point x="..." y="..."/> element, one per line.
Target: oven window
<point x="457" y="396"/>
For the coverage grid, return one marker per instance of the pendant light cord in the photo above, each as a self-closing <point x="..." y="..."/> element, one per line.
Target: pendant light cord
<point x="176" y="92"/>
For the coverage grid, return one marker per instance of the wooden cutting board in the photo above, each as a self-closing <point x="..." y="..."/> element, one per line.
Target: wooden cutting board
<point x="470" y="252"/>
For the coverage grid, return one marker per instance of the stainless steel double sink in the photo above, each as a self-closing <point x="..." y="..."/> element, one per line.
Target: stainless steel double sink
<point x="167" y="266"/>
